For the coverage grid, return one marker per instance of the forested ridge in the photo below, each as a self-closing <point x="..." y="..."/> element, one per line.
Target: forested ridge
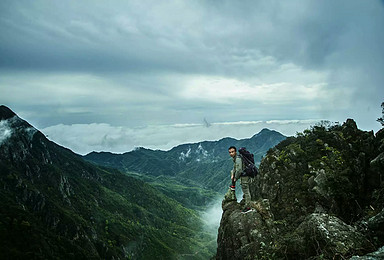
<point x="319" y="195"/>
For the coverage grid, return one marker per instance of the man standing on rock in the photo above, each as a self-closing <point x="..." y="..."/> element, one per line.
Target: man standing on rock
<point x="236" y="173"/>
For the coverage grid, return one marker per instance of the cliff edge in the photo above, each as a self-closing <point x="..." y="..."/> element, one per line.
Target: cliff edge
<point x="319" y="195"/>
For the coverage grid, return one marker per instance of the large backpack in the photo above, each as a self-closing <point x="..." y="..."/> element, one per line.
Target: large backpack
<point x="248" y="163"/>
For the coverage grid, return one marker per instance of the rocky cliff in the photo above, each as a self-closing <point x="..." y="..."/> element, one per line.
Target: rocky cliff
<point x="319" y="195"/>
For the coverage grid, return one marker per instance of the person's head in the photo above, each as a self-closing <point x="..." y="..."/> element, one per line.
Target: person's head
<point x="232" y="151"/>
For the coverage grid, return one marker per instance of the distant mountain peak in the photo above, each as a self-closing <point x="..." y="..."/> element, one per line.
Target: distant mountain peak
<point x="15" y="128"/>
<point x="266" y="131"/>
<point x="6" y="113"/>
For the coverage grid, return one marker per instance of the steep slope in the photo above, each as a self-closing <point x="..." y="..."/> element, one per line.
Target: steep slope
<point x="205" y="164"/>
<point x="319" y="195"/>
<point x="53" y="204"/>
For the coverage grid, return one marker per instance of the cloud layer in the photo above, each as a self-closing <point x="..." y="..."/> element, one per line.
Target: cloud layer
<point x="85" y="138"/>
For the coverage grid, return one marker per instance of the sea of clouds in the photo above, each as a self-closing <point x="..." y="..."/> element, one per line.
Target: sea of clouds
<point x="85" y="138"/>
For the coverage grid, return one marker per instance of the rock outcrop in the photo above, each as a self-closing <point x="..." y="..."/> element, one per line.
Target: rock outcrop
<point x="245" y="234"/>
<point x="319" y="195"/>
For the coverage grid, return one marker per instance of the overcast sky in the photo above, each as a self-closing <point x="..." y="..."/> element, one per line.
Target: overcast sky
<point x="114" y="75"/>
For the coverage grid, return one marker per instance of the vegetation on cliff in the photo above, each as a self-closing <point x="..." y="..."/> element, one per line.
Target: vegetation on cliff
<point x="325" y="194"/>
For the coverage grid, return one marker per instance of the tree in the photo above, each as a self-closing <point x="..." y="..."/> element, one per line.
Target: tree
<point x="381" y="119"/>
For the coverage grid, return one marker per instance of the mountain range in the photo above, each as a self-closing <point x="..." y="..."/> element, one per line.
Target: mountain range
<point x="144" y="204"/>
<point x="318" y="195"/>
<point x="204" y="164"/>
<point x="56" y="205"/>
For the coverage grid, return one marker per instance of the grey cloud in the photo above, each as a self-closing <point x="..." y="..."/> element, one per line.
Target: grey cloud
<point x="200" y="37"/>
<point x="85" y="138"/>
<point x="137" y="57"/>
<point x="86" y="36"/>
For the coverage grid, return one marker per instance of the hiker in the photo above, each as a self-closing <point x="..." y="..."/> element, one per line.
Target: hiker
<point x="236" y="173"/>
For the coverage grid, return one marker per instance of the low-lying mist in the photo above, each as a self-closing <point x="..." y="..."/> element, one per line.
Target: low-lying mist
<point x="212" y="215"/>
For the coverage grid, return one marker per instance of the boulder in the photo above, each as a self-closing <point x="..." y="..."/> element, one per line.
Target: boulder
<point x="377" y="255"/>
<point x="376" y="226"/>
<point x="331" y="237"/>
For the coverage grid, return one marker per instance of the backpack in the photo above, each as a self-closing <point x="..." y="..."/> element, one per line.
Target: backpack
<point x="248" y="163"/>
